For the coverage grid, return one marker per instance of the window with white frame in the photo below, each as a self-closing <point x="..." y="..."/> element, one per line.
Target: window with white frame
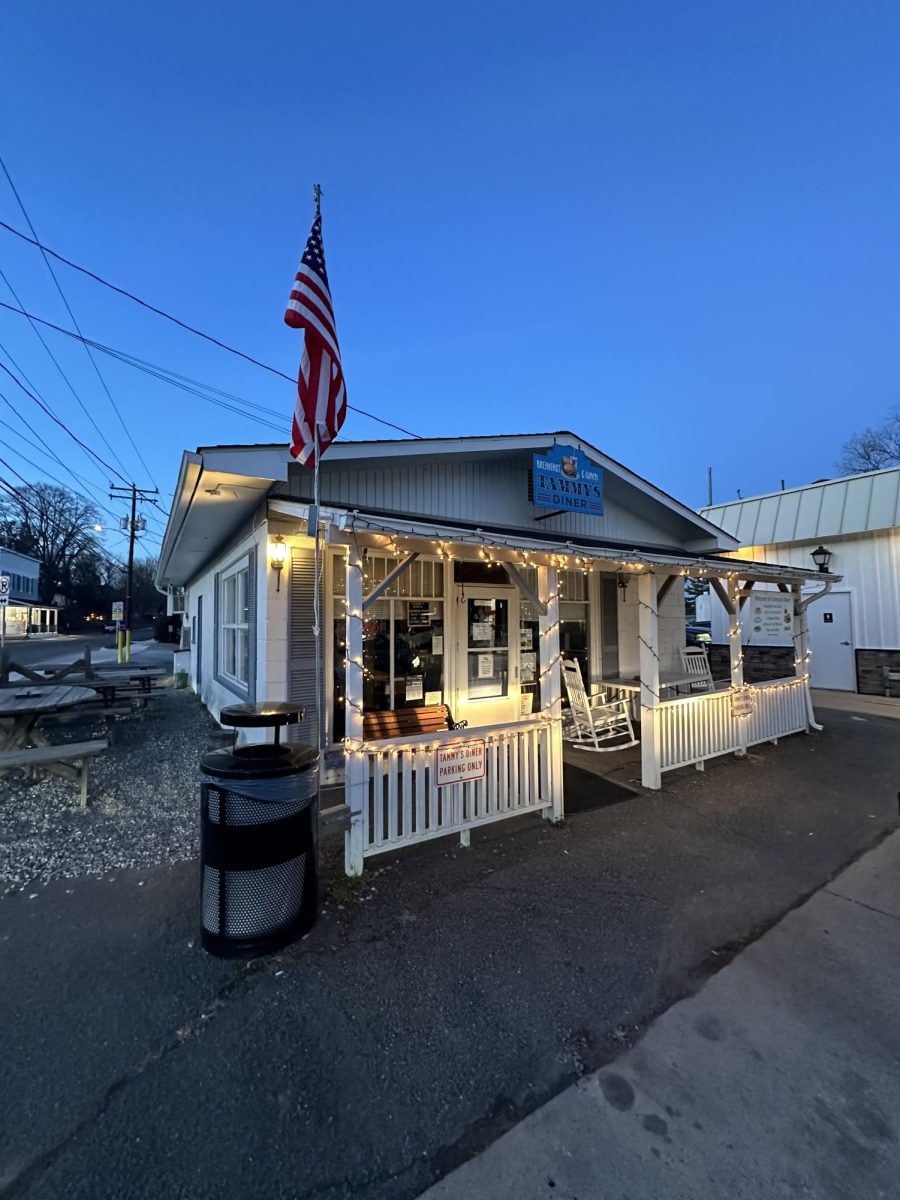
<point x="234" y="624"/>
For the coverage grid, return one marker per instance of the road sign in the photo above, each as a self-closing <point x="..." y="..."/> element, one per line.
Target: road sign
<point x="5" y="582"/>
<point x="118" y="610"/>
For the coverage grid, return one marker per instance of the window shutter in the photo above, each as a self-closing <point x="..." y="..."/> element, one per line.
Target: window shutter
<point x="302" y="649"/>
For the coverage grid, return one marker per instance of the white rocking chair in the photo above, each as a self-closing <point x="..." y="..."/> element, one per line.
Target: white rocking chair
<point x="695" y="661"/>
<point x="594" y="723"/>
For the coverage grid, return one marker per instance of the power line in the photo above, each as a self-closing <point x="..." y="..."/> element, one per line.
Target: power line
<point x="68" y="307"/>
<point x="274" y="420"/>
<point x="65" y="377"/>
<point x="56" y="479"/>
<point x="38" y="437"/>
<point x="62" y="424"/>
<point x="183" y="324"/>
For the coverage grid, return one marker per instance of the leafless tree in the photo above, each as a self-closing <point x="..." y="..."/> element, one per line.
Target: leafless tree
<point x="873" y="448"/>
<point x="55" y="526"/>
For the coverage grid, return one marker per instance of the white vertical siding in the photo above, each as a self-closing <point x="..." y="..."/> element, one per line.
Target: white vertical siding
<point x="214" y="694"/>
<point x="671" y="629"/>
<point x="870" y="565"/>
<point x="496" y="493"/>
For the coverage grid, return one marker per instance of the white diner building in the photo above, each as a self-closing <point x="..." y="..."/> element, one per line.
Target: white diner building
<point x="457" y="572"/>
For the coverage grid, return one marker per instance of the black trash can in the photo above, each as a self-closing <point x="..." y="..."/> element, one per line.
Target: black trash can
<point x="259" y="831"/>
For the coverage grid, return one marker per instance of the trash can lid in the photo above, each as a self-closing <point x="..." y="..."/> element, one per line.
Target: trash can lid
<point x="260" y="761"/>
<point x="266" y="714"/>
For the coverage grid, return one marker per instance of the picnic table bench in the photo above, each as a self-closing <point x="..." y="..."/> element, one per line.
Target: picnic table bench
<point x="22" y="743"/>
<point x="57" y="760"/>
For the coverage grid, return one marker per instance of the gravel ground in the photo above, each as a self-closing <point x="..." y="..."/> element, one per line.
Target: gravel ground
<point x="142" y="798"/>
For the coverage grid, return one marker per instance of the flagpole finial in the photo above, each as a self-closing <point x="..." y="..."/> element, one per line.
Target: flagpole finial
<point x="317" y="197"/>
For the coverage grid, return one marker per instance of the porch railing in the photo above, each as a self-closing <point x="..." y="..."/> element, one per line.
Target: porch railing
<point x="403" y="803"/>
<point x="699" y="727"/>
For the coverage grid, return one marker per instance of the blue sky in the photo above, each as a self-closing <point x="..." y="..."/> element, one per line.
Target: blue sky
<point x="671" y="227"/>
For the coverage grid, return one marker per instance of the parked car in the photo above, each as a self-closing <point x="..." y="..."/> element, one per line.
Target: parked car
<point x="697" y="633"/>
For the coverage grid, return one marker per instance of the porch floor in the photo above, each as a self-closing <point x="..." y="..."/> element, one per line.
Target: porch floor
<point x="621" y="767"/>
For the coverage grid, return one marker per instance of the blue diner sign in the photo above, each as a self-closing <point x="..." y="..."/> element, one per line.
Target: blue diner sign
<point x="567" y="480"/>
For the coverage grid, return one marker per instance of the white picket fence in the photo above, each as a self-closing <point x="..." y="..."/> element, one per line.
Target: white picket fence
<point x="404" y="804"/>
<point x="702" y="726"/>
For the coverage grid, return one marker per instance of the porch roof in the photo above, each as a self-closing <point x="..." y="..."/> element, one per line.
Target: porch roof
<point x="427" y="535"/>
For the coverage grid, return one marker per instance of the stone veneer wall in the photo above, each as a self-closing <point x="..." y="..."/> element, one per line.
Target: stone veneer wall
<point x="869" y="667"/>
<point x="760" y="662"/>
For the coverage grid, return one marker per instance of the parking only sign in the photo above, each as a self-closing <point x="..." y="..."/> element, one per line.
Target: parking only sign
<point x="4" y="590"/>
<point x="118" y="613"/>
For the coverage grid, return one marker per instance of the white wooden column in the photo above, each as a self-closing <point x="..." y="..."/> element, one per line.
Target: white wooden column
<point x="648" y="644"/>
<point x="802" y="653"/>
<point x="736" y="654"/>
<point x="550" y="675"/>
<point x="356" y="771"/>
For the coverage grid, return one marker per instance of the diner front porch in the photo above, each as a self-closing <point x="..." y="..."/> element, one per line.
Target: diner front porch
<point x="477" y="623"/>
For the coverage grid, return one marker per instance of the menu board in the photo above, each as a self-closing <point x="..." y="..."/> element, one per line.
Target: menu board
<point x="419" y="616"/>
<point x="771" y="616"/>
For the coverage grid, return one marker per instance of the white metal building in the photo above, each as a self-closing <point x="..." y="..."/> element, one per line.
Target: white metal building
<point x="855" y="632"/>
<point x="457" y="572"/>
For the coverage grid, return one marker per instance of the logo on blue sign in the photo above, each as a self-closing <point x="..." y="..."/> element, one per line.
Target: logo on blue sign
<point x="566" y="479"/>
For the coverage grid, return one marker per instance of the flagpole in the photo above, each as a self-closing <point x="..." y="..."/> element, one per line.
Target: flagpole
<point x="317" y="629"/>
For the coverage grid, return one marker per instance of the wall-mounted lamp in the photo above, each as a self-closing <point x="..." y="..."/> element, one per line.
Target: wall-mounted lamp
<point x="821" y="557"/>
<point x="277" y="557"/>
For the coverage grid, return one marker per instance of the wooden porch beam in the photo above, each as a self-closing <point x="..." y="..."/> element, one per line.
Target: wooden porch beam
<point x="716" y="585"/>
<point x="389" y="579"/>
<point x="521" y="583"/>
<point x="663" y="589"/>
<point x="745" y="593"/>
<point x="783" y="587"/>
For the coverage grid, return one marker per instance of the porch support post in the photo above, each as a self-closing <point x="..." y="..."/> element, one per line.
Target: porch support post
<point x="648" y="634"/>
<point x="551" y="685"/>
<point x="736" y="654"/>
<point x="800" y="632"/>
<point x="356" y="772"/>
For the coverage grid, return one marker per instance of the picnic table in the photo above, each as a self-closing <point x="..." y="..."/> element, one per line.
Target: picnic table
<point x="22" y="744"/>
<point x="21" y="709"/>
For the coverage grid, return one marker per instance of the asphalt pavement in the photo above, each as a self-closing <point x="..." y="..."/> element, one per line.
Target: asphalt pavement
<point x="39" y="652"/>
<point x="433" y="1007"/>
<point x="779" y="1078"/>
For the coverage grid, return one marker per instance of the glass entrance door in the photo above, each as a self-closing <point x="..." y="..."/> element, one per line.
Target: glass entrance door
<point x="490" y="646"/>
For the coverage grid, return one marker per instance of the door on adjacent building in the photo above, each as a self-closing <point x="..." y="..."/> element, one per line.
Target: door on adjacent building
<point x="488" y="658"/>
<point x="833" y="663"/>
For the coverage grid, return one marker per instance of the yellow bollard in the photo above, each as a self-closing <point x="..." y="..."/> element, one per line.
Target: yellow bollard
<point x="128" y="645"/>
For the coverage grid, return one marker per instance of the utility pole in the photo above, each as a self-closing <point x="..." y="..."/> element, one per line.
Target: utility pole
<point x="135" y="524"/>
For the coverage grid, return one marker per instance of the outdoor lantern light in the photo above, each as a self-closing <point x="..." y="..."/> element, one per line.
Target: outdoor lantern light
<point x="821" y="557"/>
<point x="277" y="556"/>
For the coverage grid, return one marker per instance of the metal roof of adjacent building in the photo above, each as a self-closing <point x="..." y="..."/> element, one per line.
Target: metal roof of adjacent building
<point x="827" y="509"/>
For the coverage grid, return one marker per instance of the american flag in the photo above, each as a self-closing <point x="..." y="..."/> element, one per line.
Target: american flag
<point x="321" y="394"/>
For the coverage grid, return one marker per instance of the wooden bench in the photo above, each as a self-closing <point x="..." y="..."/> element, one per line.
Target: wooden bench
<point x="58" y="760"/>
<point x="406" y="722"/>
